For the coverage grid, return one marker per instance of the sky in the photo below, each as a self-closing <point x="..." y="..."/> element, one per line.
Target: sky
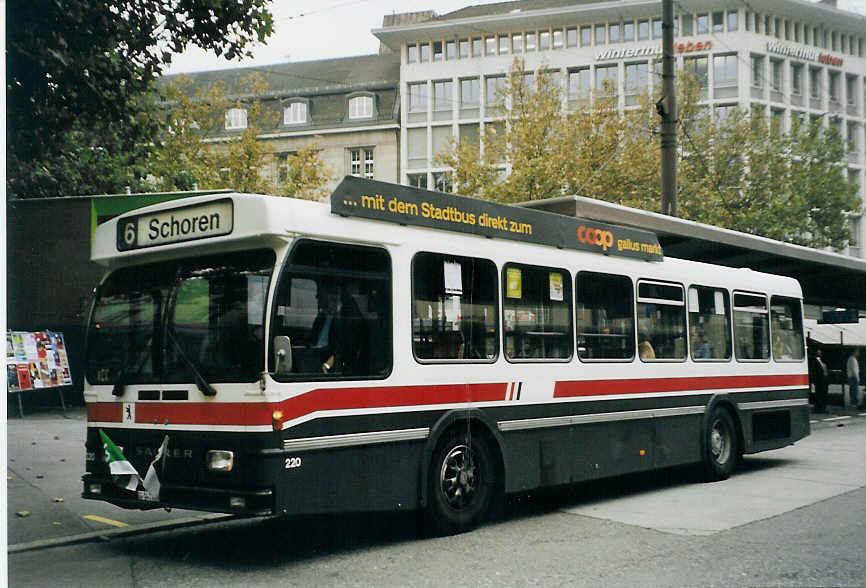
<point x="320" y="29"/>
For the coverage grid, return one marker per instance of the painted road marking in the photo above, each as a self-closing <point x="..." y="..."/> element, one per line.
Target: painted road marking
<point x="100" y="519"/>
<point x="839" y="418"/>
<point x="861" y="414"/>
<point x="812" y="422"/>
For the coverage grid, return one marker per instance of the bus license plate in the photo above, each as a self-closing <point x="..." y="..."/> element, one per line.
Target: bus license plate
<point x="146" y="496"/>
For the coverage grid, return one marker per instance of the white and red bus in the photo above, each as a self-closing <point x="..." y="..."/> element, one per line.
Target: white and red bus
<point x="405" y="349"/>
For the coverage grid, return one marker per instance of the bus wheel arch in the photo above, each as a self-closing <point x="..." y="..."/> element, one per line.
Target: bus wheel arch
<point x="457" y="433"/>
<point x="721" y="439"/>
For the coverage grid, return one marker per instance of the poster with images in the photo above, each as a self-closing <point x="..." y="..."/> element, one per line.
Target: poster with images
<point x="10" y="347"/>
<point x="30" y="353"/>
<point x="18" y="343"/>
<point x="12" y="377"/>
<point x="24" y="382"/>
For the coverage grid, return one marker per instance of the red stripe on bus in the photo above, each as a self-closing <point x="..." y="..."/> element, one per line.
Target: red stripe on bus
<point x="104" y="412"/>
<point x="260" y="413"/>
<point x="648" y="385"/>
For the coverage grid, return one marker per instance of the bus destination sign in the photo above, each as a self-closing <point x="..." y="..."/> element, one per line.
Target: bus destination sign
<point x="405" y="205"/>
<point x="174" y="225"/>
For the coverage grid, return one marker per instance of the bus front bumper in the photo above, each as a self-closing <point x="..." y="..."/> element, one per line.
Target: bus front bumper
<point x="240" y="501"/>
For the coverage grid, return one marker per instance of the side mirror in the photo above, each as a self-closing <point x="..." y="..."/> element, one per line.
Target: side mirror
<point x="282" y="355"/>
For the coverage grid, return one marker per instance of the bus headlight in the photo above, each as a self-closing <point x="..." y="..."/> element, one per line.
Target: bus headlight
<point x="219" y="460"/>
<point x="95" y="488"/>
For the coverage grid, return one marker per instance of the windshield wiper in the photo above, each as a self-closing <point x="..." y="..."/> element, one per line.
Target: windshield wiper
<point x="124" y="376"/>
<point x="200" y="382"/>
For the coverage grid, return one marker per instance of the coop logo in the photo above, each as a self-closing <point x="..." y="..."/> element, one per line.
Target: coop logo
<point x="597" y="237"/>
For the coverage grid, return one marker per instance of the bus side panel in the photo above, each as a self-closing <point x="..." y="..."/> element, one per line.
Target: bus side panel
<point x="350" y="479"/>
<point x="774" y="428"/>
<point x="677" y="440"/>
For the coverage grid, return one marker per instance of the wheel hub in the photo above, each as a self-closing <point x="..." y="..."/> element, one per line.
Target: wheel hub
<point x="457" y="478"/>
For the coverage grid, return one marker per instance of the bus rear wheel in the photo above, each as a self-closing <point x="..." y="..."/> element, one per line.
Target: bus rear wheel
<point x="721" y="446"/>
<point x="460" y="483"/>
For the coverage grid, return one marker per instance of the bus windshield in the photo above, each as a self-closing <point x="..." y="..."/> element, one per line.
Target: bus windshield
<point x="159" y="323"/>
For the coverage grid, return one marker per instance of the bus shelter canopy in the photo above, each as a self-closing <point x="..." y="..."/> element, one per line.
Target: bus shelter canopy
<point x="828" y="279"/>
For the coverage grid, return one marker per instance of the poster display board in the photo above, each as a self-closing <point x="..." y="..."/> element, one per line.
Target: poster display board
<point x="36" y="360"/>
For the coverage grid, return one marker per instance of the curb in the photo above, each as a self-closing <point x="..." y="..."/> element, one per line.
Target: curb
<point x="124" y="532"/>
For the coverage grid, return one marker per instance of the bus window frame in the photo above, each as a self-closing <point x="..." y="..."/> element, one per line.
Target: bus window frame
<point x="632" y="283"/>
<point x="734" y="325"/>
<point x="637" y="300"/>
<point x="802" y="329"/>
<point x="571" y="333"/>
<point x="496" y="311"/>
<point x="730" y="326"/>
<point x="311" y="270"/>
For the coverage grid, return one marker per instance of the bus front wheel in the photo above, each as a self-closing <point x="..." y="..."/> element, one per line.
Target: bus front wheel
<point x="721" y="445"/>
<point x="461" y="483"/>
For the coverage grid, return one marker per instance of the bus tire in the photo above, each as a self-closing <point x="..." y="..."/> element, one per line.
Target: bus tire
<point x="721" y="445"/>
<point x="460" y="483"/>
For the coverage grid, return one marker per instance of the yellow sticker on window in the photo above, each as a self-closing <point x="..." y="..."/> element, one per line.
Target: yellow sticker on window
<point x="513" y="283"/>
<point x="556" y="291"/>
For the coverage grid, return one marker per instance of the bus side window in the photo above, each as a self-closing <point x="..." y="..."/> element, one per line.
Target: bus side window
<point x="751" y="327"/>
<point x="454" y="308"/>
<point x="604" y="316"/>
<point x="786" y="327"/>
<point x="709" y="323"/>
<point x="536" y="312"/>
<point x="661" y="321"/>
<point x="334" y="303"/>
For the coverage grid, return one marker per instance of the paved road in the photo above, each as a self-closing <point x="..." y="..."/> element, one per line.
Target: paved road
<point x="793" y="517"/>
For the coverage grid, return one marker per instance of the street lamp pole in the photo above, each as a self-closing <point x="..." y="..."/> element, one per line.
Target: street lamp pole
<point x="667" y="108"/>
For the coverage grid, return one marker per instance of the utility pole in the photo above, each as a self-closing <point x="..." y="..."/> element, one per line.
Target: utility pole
<point x="667" y="109"/>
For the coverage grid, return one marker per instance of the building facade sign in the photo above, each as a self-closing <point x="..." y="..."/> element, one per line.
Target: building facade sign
<point x="807" y="53"/>
<point x="687" y="47"/>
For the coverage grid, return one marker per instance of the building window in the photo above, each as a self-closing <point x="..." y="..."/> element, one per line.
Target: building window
<point x="544" y="40"/>
<point x="360" y="107"/>
<point x="723" y="112"/>
<point x="416" y="146"/>
<point x="796" y="79"/>
<point x="557" y="39"/>
<point x="834" y="87"/>
<point x="517" y="43"/>
<point x="417" y="180"/>
<point x="236" y="118"/>
<point x="703" y="24"/>
<point x="636" y="80"/>
<point x="493" y="91"/>
<point x="536" y="312"/>
<point x="361" y="162"/>
<point x="814" y="83"/>
<point x="787" y="30"/>
<point x="578" y="84"/>
<point x="463" y="48"/>
<point x="571" y="37"/>
<point x="437" y="51"/>
<point x="295" y="113"/>
<point x="642" y="30"/>
<point x="442" y="182"/>
<point x="585" y="36"/>
<point x="757" y="71"/>
<point x="412" y="54"/>
<point x="628" y="31"/>
<point x="490" y="45"/>
<point x="454" y="308"/>
<point x="530" y="41"/>
<point x="476" y="47"/>
<point x="418" y="97"/>
<point x="425" y="52"/>
<point x="850" y="90"/>
<point x="604" y="316"/>
<point x="718" y="21"/>
<point x="613" y="32"/>
<point x="599" y="34"/>
<point x="442" y="98"/>
<point x="606" y="80"/>
<point x="725" y="76"/>
<point x="657" y="28"/>
<point x="698" y="66"/>
<point x="503" y="44"/>
<point x="450" y="50"/>
<point x="733" y="17"/>
<point x="470" y="94"/>
<point x="688" y="22"/>
<point x="776" y="75"/>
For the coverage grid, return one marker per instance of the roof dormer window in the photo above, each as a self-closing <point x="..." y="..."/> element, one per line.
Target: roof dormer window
<point x="236" y="118"/>
<point x="295" y="114"/>
<point x="361" y="107"/>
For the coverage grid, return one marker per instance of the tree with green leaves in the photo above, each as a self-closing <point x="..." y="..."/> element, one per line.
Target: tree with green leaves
<point x="741" y="172"/>
<point x="78" y="71"/>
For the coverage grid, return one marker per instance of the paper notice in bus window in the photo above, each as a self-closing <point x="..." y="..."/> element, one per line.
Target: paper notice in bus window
<point x="719" y="299"/>
<point x="452" y="312"/>
<point x="693" y="300"/>
<point x="556" y="291"/>
<point x="453" y="278"/>
<point x="513" y="283"/>
<point x="256" y="300"/>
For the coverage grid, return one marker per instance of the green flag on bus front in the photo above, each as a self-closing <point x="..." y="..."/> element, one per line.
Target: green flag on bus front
<point x="124" y="473"/>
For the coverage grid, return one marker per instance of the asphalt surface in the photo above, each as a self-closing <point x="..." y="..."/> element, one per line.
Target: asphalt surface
<point x="792" y="517"/>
